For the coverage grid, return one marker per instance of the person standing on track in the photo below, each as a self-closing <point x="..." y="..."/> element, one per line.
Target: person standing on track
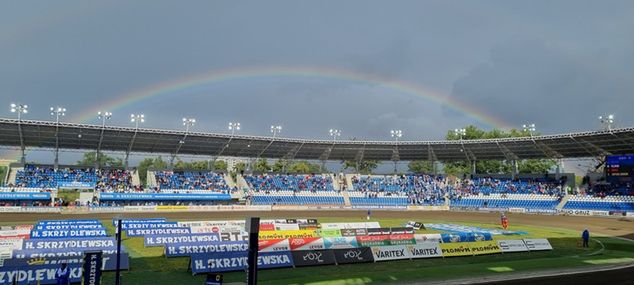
<point x="504" y="220"/>
<point x="586" y="237"/>
<point x="369" y="214"/>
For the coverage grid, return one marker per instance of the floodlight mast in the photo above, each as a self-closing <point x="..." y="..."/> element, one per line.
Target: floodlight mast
<point x="396" y="134"/>
<point x="103" y="116"/>
<point x="57" y="112"/>
<point x="607" y="121"/>
<point x="529" y="128"/>
<point x="188" y="123"/>
<point x="20" y="109"/>
<point x="136" y="119"/>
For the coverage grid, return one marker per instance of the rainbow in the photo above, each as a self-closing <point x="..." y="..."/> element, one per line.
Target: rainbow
<point x="177" y="86"/>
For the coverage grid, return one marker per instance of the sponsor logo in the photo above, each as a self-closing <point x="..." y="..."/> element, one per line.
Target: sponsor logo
<point x="313" y="256"/>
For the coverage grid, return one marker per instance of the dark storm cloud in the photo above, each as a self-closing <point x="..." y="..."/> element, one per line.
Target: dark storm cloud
<point x="556" y="63"/>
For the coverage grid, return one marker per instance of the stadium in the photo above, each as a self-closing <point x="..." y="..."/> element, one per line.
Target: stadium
<point x="409" y="142"/>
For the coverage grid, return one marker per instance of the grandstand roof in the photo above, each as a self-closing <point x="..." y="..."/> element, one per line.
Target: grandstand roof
<point x="41" y="134"/>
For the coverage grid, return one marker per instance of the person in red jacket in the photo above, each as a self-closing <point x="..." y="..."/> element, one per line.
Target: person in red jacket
<point x="505" y="221"/>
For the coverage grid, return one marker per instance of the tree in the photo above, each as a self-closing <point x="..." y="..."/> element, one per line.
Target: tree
<point x="420" y="166"/>
<point x="364" y="166"/>
<point x="459" y="168"/>
<point x="220" y="165"/>
<point x="304" y="167"/>
<point x="3" y="172"/>
<point x="261" y="165"/>
<point x="239" y="167"/>
<point x="150" y="163"/>
<point x="104" y="160"/>
<point x="280" y="165"/>
<point x="193" y="165"/>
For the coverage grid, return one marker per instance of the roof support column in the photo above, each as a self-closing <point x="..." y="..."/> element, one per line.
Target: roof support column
<point x="473" y="167"/>
<point x="514" y="170"/>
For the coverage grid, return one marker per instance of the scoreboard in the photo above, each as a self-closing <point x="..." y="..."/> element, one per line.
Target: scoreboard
<point x="619" y="168"/>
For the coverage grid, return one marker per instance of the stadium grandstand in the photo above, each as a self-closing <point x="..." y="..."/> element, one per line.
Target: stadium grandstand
<point x="546" y="193"/>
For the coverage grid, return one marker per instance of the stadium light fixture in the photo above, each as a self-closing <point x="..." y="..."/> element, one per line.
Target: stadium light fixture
<point x="334" y="133"/>
<point x="103" y="116"/>
<point x="607" y="121"/>
<point x="58" y="112"/>
<point x="529" y="128"/>
<point x="137" y="119"/>
<point x="276" y="130"/>
<point x="234" y="127"/>
<point x="461" y="133"/>
<point x="20" y="109"/>
<point x="396" y="134"/>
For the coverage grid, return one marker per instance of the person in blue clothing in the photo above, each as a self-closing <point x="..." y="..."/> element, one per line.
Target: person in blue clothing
<point x="586" y="237"/>
<point x="62" y="275"/>
<point x="369" y="214"/>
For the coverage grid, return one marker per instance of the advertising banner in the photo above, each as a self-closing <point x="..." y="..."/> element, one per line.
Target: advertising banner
<point x="382" y="240"/>
<point x="313" y="257"/>
<point x="69" y="227"/>
<point x="92" y="268"/>
<point x="15" y="234"/>
<point x="68" y="233"/>
<point x="288" y="234"/>
<point x="25" y="196"/>
<point x="69" y="244"/>
<point x="219" y="224"/>
<point x="237" y="261"/>
<point x="536" y="244"/>
<point x="150" y="225"/>
<point x="109" y="261"/>
<point x="215" y="229"/>
<point x="393" y="252"/>
<point x="161" y="240"/>
<point x="36" y="274"/>
<point x="234" y="236"/>
<point x="379" y="231"/>
<point x="469" y="248"/>
<point x="419" y="238"/>
<point x="340" y="242"/>
<point x="115" y="222"/>
<point x="76" y="185"/>
<point x="424" y="250"/>
<point x="162" y="197"/>
<point x="353" y="255"/>
<point x="48" y="253"/>
<point x="512" y="245"/>
<point x="11" y="243"/>
<point x="286" y="227"/>
<point x="353" y="232"/>
<point x="269" y="245"/>
<point x="362" y="225"/>
<point x="187" y="249"/>
<point x="267" y="227"/>
<point x="330" y="233"/>
<point x="166" y="231"/>
<point x="399" y="239"/>
<point x="310" y="243"/>
<point x="68" y="222"/>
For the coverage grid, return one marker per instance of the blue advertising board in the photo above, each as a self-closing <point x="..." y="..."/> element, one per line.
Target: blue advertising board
<point x="109" y="261"/>
<point x="166" y="231"/>
<point x="76" y="185"/>
<point x="138" y="221"/>
<point x="59" y="252"/>
<point x="162" y="197"/>
<point x="81" y="233"/>
<point x="25" y="196"/>
<point x="53" y="227"/>
<point x="149" y="225"/>
<point x="237" y="261"/>
<point x="187" y="249"/>
<point x="68" y="222"/>
<point x="68" y="244"/>
<point x="36" y="274"/>
<point x="161" y="240"/>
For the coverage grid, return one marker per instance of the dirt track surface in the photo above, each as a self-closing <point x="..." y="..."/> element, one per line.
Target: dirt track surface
<point x="605" y="226"/>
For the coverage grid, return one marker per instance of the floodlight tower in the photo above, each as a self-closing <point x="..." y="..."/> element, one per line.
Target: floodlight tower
<point x="103" y="116"/>
<point x="529" y="128"/>
<point x="57" y="112"/>
<point x="136" y="119"/>
<point x="234" y="127"/>
<point x="276" y="130"/>
<point x="607" y="121"/>
<point x="20" y="109"/>
<point x="396" y="134"/>
<point x="188" y="123"/>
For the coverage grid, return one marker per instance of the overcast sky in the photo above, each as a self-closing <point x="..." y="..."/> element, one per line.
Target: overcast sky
<point x="558" y="64"/>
